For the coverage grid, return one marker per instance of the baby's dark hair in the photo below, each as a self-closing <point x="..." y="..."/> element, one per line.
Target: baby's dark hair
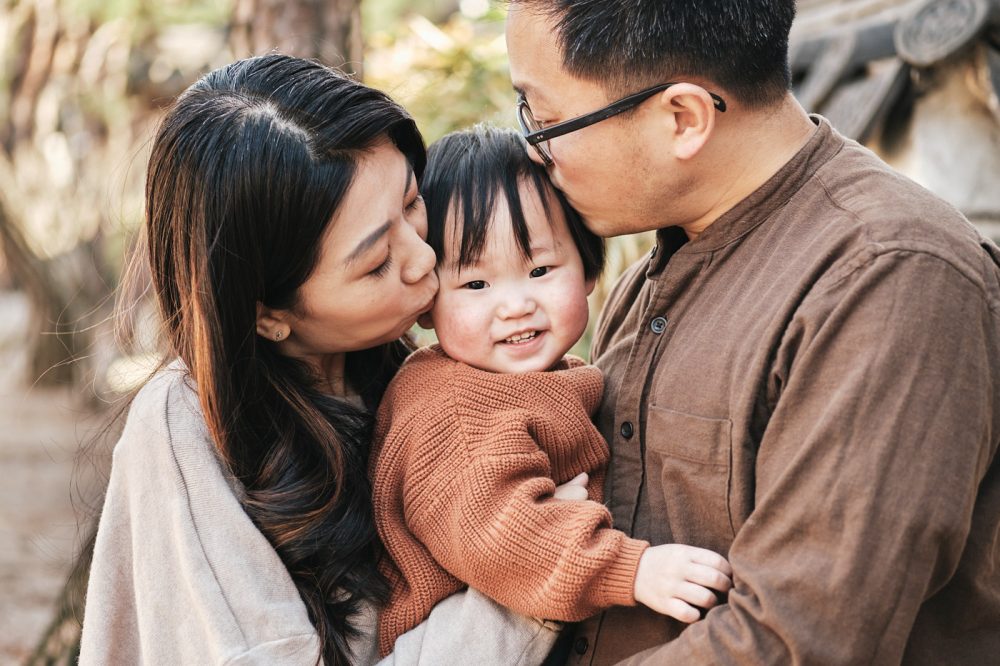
<point x="466" y="172"/>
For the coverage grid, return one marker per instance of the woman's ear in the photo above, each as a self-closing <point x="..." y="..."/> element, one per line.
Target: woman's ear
<point x="690" y="118"/>
<point x="271" y="323"/>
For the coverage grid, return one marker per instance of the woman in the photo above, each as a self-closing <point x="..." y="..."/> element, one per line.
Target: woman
<point x="285" y="239"/>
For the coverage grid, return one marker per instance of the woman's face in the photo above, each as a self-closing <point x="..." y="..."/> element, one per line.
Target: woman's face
<point x="375" y="274"/>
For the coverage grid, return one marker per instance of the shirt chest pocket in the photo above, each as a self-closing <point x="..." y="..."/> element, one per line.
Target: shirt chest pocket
<point x="688" y="469"/>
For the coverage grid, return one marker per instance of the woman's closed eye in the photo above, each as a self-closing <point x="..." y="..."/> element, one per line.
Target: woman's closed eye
<point x="413" y="205"/>
<point x="383" y="268"/>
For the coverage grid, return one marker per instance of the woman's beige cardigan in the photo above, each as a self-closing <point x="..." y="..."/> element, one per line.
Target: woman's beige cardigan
<point x="182" y="576"/>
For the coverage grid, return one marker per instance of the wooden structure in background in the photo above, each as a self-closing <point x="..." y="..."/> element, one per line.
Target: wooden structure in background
<point x="918" y="82"/>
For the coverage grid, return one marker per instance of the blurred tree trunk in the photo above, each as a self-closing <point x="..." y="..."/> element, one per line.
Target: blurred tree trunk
<point x="53" y="346"/>
<point x="50" y="208"/>
<point x="324" y="30"/>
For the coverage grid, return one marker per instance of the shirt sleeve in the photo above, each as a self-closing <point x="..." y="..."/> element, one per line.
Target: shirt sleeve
<point x="494" y="525"/>
<point x="882" y="430"/>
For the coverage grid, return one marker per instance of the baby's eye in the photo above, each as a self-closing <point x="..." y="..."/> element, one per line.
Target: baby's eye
<point x="475" y="284"/>
<point x="539" y="272"/>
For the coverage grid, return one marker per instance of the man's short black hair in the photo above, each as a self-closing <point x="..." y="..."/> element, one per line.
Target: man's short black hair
<point x="626" y="45"/>
<point x="466" y="173"/>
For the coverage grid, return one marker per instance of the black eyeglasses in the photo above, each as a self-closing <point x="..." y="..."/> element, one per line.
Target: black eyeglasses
<point x="538" y="136"/>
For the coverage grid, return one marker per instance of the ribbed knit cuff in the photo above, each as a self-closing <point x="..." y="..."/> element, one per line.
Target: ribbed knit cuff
<point x="617" y="587"/>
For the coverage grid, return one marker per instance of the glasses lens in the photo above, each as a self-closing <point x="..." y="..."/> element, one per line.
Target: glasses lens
<point x="528" y="125"/>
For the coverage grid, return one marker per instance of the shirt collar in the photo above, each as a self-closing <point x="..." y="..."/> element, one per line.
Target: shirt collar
<point x="756" y="208"/>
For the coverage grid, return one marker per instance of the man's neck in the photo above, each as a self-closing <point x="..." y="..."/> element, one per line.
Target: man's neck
<point x="750" y="153"/>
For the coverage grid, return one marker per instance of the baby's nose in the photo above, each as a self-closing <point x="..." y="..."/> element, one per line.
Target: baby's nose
<point x="516" y="304"/>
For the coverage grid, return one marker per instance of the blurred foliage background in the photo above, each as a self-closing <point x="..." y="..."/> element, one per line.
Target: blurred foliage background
<point x="84" y="82"/>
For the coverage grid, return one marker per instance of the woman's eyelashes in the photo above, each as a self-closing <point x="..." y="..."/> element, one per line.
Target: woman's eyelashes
<point x="383" y="268"/>
<point x="413" y="205"/>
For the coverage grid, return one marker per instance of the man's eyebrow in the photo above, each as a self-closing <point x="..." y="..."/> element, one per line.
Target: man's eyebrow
<point x="367" y="243"/>
<point x="523" y="89"/>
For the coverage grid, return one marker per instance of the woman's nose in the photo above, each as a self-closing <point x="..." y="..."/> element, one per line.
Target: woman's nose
<point x="420" y="259"/>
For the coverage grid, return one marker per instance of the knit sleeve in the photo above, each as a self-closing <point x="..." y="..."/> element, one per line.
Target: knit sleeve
<point x="494" y="524"/>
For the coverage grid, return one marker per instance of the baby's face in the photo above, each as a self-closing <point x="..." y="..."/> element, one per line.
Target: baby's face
<point x="508" y="314"/>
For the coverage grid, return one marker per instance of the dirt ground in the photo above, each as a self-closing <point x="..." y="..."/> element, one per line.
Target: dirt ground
<point x="39" y="434"/>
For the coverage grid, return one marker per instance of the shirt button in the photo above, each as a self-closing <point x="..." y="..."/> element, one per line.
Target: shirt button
<point x="658" y="325"/>
<point x="627" y="430"/>
<point x="581" y="645"/>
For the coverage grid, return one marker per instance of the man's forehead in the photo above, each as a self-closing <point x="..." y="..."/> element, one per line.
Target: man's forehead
<point x="532" y="49"/>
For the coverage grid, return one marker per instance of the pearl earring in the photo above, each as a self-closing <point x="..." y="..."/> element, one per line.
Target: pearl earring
<point x="277" y="336"/>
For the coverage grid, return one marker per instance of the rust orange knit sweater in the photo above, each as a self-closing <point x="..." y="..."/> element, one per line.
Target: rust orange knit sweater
<point x="463" y="470"/>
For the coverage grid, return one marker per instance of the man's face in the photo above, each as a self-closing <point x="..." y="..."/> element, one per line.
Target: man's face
<point x="607" y="170"/>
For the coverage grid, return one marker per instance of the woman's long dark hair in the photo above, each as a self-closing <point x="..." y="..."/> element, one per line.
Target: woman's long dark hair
<point x="247" y="170"/>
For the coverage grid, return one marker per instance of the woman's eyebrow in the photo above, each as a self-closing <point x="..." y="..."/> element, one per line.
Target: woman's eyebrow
<point x="409" y="177"/>
<point x="367" y="243"/>
<point x="374" y="237"/>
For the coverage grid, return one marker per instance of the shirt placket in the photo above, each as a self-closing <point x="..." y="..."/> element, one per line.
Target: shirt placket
<point x="626" y="484"/>
<point x="649" y="348"/>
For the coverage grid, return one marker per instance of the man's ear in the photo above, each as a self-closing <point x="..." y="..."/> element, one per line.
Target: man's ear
<point x="690" y="117"/>
<point x="272" y="324"/>
<point x="426" y="321"/>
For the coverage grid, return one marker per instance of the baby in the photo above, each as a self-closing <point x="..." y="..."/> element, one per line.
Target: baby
<point x="474" y="433"/>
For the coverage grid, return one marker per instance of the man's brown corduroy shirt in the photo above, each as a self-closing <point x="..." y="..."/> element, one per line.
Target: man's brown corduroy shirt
<point x="812" y="388"/>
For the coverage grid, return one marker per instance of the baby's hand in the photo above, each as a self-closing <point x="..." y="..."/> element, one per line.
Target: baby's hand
<point x="575" y="489"/>
<point x="673" y="579"/>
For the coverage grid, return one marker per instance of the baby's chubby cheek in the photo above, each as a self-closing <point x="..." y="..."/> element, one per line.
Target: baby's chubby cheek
<point x="463" y="335"/>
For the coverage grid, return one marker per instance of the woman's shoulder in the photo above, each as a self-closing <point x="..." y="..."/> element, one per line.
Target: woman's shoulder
<point x="173" y="514"/>
<point x="156" y="407"/>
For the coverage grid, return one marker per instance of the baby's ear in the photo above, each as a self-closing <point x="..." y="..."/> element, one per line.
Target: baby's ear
<point x="590" y="284"/>
<point x="426" y="321"/>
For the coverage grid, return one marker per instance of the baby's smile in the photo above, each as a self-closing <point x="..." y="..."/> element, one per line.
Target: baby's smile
<point x="521" y="338"/>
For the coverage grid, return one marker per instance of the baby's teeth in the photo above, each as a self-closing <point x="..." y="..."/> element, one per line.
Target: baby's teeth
<point x="521" y="336"/>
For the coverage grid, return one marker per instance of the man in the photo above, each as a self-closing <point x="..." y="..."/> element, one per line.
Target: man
<point x="805" y="373"/>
